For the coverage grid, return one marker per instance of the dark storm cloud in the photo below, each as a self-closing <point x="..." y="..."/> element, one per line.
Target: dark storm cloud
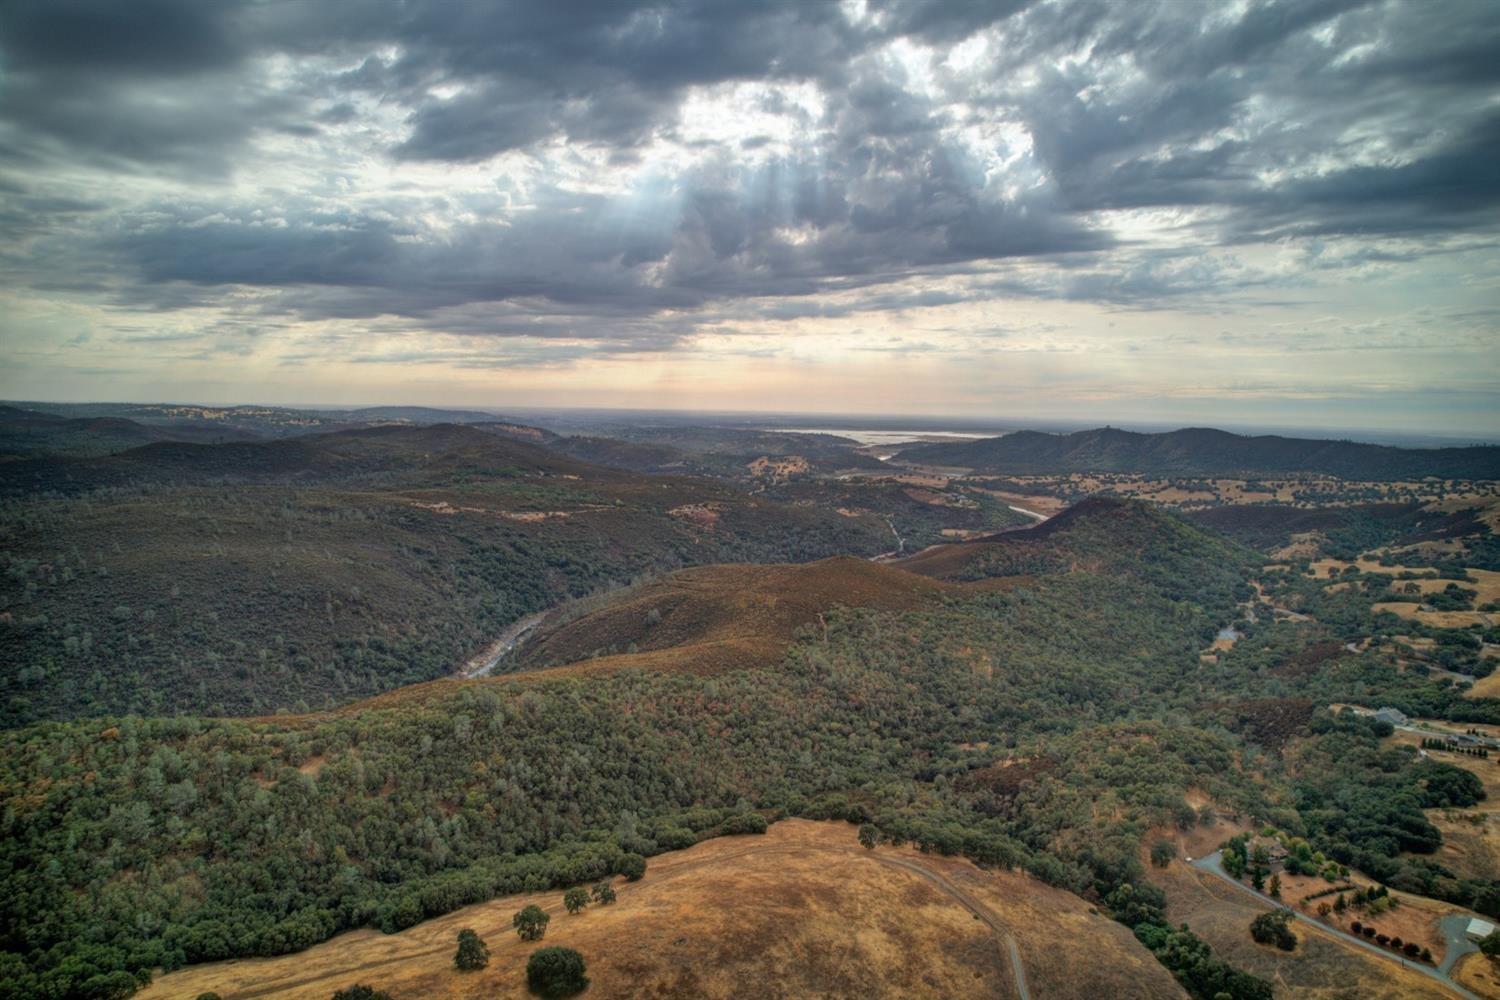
<point x="606" y="72"/>
<point x="104" y="38"/>
<point x="1178" y="129"/>
<point x="1322" y="118"/>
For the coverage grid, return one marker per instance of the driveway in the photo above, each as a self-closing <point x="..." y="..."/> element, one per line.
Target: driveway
<point x="1458" y="945"/>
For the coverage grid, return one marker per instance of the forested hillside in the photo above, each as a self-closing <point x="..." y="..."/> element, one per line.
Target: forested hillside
<point x="190" y="839"/>
<point x="303" y="572"/>
<point x="1042" y="704"/>
<point x="29" y="433"/>
<point x="1203" y="452"/>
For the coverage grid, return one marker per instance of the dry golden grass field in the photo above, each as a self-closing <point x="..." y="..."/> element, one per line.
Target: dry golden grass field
<point x="1471" y="837"/>
<point x="1321" y="968"/>
<point x="1485" y="687"/>
<point x="1479" y="974"/>
<point x="802" y="911"/>
<point x="1485" y="584"/>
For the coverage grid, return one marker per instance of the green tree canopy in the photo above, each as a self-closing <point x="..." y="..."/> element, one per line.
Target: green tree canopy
<point x="472" y="952"/>
<point x="531" y="923"/>
<point x="361" y="992"/>
<point x="556" y="972"/>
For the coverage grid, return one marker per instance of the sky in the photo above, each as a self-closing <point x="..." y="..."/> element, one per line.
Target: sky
<point x="1233" y="213"/>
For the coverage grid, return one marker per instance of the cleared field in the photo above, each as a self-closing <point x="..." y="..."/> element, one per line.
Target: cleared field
<point x="1040" y="503"/>
<point x="802" y="911"/>
<point x="1322" y="967"/>
<point x="1479" y="974"/>
<point x="1485" y="584"/>
<point x="1437" y="619"/>
<point x="1303" y="492"/>
<point x="1471" y="837"/>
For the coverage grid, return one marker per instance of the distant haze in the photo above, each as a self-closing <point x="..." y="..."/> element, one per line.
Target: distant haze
<point x="1260" y="214"/>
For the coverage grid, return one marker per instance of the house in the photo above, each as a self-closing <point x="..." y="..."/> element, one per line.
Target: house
<point x="1478" y="929"/>
<point x="1394" y="716"/>
<point x="1462" y="739"/>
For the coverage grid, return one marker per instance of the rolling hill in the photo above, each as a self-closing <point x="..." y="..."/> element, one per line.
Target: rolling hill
<point x="1203" y="452"/>
<point x="1034" y="701"/>
<point x="979" y="721"/>
<point x="801" y="911"/>
<point x="30" y="433"/>
<point x="1123" y="539"/>
<point x="304" y="572"/>
<point x="715" y="618"/>
<point x="257" y="421"/>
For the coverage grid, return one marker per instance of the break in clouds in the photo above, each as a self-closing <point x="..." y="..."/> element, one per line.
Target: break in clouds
<point x="503" y="187"/>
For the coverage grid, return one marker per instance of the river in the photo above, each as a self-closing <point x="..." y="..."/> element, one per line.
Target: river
<point x="486" y="659"/>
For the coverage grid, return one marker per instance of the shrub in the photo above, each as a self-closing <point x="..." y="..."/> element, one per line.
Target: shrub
<point x="603" y="893"/>
<point x="1368" y="932"/>
<point x="361" y="992"/>
<point x="750" y="822"/>
<point x="632" y="866"/>
<point x="1162" y="853"/>
<point x="1356" y="927"/>
<point x="556" y="972"/>
<point x="1271" y="928"/>
<point x="576" y="898"/>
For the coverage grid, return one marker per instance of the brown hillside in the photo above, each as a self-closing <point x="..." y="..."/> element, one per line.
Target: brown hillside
<point x="803" y="911"/>
<point x="712" y="619"/>
<point x="715" y="618"/>
<point x="1321" y="968"/>
<point x="947" y="562"/>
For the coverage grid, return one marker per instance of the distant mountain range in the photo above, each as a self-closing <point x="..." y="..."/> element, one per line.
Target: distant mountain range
<point x="1200" y="451"/>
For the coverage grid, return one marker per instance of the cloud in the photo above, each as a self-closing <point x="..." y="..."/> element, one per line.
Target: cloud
<point x="627" y="176"/>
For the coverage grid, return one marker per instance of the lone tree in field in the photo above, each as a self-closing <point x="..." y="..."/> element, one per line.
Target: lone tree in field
<point x="1162" y="853"/>
<point x="531" y="923"/>
<point x="361" y="992"/>
<point x="632" y="866"/>
<point x="556" y="972"/>
<point x="576" y="898"/>
<point x="472" y="952"/>
<point x="1271" y="928"/>
<point x="869" y="836"/>
<point x="603" y="893"/>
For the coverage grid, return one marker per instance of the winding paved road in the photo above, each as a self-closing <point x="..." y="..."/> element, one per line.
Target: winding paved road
<point x="1457" y="947"/>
